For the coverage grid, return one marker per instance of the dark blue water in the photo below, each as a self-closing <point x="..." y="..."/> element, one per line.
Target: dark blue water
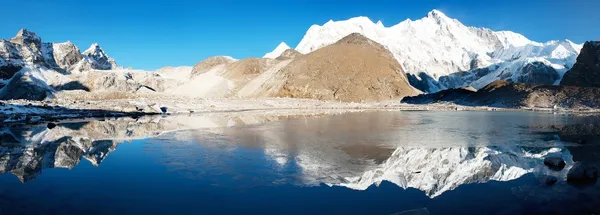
<point x="365" y="163"/>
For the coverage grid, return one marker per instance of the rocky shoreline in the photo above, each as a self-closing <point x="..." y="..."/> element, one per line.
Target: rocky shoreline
<point x="26" y="111"/>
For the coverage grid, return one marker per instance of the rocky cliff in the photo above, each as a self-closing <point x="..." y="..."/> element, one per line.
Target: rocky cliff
<point x="586" y="71"/>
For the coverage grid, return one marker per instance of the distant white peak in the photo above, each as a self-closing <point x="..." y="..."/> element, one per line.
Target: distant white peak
<point x="275" y="53"/>
<point x="509" y="38"/>
<point x="577" y="47"/>
<point x="379" y="23"/>
<point x="98" y="58"/>
<point x="571" y="45"/>
<point x="93" y="49"/>
<point x="360" y="20"/>
<point x="27" y="34"/>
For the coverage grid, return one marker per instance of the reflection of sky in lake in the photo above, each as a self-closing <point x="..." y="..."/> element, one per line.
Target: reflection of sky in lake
<point x="462" y="162"/>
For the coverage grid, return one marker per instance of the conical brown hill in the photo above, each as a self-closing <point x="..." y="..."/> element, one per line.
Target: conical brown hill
<point x="205" y="65"/>
<point x="353" y="69"/>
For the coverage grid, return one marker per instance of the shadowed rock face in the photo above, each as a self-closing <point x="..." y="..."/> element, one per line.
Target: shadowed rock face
<point x="7" y="71"/>
<point x="586" y="71"/>
<point x="538" y="73"/>
<point x="66" y="55"/>
<point x="25" y="86"/>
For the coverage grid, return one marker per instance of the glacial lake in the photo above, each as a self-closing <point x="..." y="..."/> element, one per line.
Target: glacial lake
<point x="397" y="162"/>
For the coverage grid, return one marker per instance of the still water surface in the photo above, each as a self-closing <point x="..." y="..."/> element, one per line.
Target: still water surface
<point x="360" y="163"/>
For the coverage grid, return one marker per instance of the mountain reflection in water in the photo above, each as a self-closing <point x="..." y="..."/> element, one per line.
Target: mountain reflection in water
<point x="419" y="150"/>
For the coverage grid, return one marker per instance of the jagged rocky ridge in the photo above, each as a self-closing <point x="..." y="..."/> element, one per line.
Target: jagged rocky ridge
<point x="439" y="52"/>
<point x="26" y="49"/>
<point x="224" y="77"/>
<point x="31" y="69"/>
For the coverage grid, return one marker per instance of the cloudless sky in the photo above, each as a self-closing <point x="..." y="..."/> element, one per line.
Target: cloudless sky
<point x="154" y="33"/>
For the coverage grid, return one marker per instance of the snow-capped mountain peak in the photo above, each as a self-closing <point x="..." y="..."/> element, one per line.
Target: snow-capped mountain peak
<point x="437" y="15"/>
<point x="509" y="38"/>
<point x="94" y="49"/>
<point x="97" y="58"/>
<point x="25" y="37"/>
<point x="439" y="52"/>
<point x="277" y="51"/>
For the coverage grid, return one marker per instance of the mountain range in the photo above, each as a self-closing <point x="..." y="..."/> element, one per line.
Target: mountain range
<point x="439" y="52"/>
<point x="374" y="63"/>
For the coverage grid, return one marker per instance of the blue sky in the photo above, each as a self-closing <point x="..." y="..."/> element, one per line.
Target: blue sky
<point x="155" y="33"/>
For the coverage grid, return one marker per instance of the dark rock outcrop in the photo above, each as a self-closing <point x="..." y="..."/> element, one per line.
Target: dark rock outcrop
<point x="515" y="95"/>
<point x="7" y="71"/>
<point x="585" y="134"/>
<point x="586" y="71"/>
<point x="583" y="173"/>
<point x="423" y="82"/>
<point x="448" y="95"/>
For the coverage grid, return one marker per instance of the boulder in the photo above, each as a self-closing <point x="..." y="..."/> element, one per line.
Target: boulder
<point x="555" y="163"/>
<point x="51" y="125"/>
<point x="583" y="173"/>
<point x="549" y="180"/>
